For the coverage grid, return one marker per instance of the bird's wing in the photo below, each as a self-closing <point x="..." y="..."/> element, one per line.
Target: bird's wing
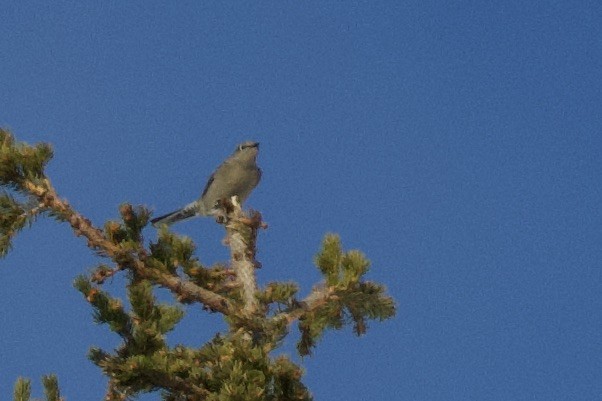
<point x="209" y="182"/>
<point x="225" y="166"/>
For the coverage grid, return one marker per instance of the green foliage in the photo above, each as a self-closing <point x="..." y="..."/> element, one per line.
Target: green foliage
<point x="328" y="259"/>
<point x="134" y="220"/>
<point x="51" y="388"/>
<point x="127" y="234"/>
<point x="352" y="299"/>
<point x="280" y="294"/>
<point x="22" y="391"/>
<point x="144" y="327"/>
<point x="151" y="320"/>
<point x="20" y="162"/>
<point x="227" y="368"/>
<point x="340" y="269"/>
<point x="238" y="370"/>
<point x="107" y="310"/>
<point x="172" y="251"/>
<point x="14" y="216"/>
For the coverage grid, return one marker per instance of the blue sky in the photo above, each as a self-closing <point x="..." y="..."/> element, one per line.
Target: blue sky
<point x="458" y="144"/>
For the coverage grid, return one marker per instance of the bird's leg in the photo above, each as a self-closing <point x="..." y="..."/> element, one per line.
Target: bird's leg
<point x="221" y="210"/>
<point x="235" y="202"/>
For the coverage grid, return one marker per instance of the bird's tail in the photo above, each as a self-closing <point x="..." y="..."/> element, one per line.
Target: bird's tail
<point x="186" y="212"/>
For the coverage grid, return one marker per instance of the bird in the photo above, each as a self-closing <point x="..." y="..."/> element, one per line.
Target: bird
<point x="237" y="175"/>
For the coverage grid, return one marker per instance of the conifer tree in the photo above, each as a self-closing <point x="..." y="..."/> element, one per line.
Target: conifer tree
<point x="237" y="364"/>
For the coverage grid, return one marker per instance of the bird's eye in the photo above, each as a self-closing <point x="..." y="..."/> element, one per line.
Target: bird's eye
<point x="246" y="145"/>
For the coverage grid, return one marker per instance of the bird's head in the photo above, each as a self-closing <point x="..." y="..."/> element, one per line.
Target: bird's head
<point x="247" y="151"/>
<point x="247" y="145"/>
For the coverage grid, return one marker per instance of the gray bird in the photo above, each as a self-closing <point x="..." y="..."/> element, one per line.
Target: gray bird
<point x="237" y="175"/>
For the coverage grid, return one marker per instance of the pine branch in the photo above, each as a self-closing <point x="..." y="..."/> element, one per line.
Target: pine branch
<point x="343" y="298"/>
<point x="319" y="296"/>
<point x="241" y="236"/>
<point x="234" y="366"/>
<point x="124" y="257"/>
